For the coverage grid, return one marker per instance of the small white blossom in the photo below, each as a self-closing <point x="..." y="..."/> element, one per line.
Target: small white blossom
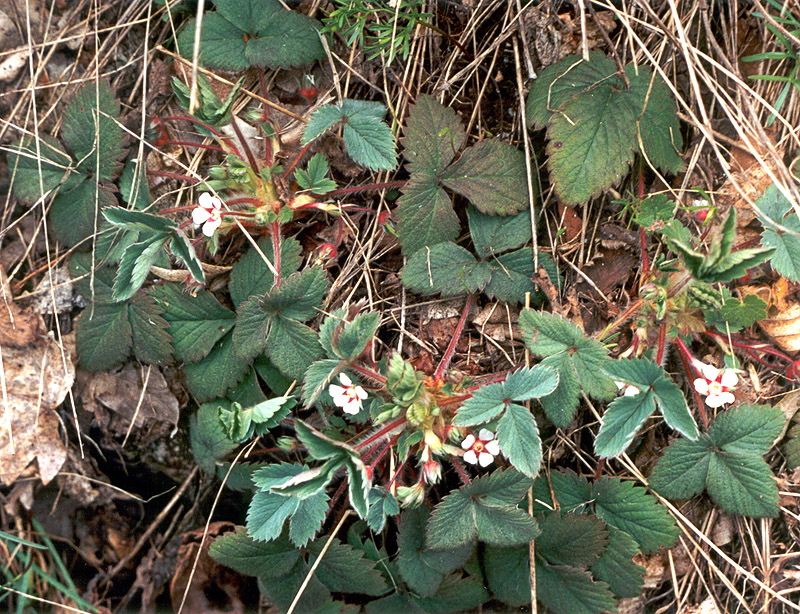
<point x="482" y="449"/>
<point x="627" y="390"/>
<point x="347" y="396"/>
<point x="208" y="213"/>
<point x="715" y="384"/>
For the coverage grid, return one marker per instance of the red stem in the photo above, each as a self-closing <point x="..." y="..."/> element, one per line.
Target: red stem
<point x="247" y="151"/>
<point x="386" y="429"/>
<point x="221" y="136"/>
<point x="662" y="342"/>
<point x="176" y="209"/>
<point x="686" y="359"/>
<point x="396" y="474"/>
<point x="451" y="348"/>
<point x="383" y="451"/>
<point x="238" y="201"/>
<point x="173" y="176"/>
<point x="734" y="341"/>
<point x="192" y="144"/>
<point x="276" y="251"/>
<point x="460" y="468"/>
<point x="295" y="161"/>
<point x="368" y="373"/>
<point x="364" y="188"/>
<point x="600" y="466"/>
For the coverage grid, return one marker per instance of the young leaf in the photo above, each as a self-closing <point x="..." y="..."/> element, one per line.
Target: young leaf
<point x="299" y="295"/>
<point x="135" y="265"/>
<point x="196" y="322"/>
<point x="103" y="336"/>
<point x="353" y="339"/>
<point x="251" y="276"/>
<point x="727" y="462"/>
<point x="492" y="175"/>
<point x="445" y="268"/>
<point x="242" y="553"/>
<point x="24" y="166"/>
<point x="316" y="380"/>
<point x="425" y="214"/>
<point x="578" y="360"/>
<point x="184" y="252"/>
<point x="495" y="234"/>
<point x="381" y="505"/>
<point x="735" y="315"/>
<point x="314" y="178"/>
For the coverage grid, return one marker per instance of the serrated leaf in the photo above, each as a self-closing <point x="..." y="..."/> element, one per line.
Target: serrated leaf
<point x="512" y="275"/>
<point x="184" y="252"/>
<point x="356" y="334"/>
<point x="748" y="429"/>
<point x="103" y="336"/>
<point x="381" y="505"/>
<point x="24" y="165"/>
<point x="508" y="574"/>
<point x="91" y="132"/>
<point x="308" y="518"/>
<point x="281" y="591"/>
<point x="209" y="440"/>
<point x="743" y="484"/>
<point x="568" y="590"/>
<point x="316" y="380"/>
<point x="655" y="208"/>
<point x="492" y="176"/>
<point x="267" y="513"/>
<point x="456" y="594"/>
<point x="792" y="447"/>
<point x="519" y="440"/>
<point x="530" y="383"/>
<point x="425" y="214"/>
<point x="369" y="142"/>
<point x="196" y="322"/>
<point x="572" y="492"/>
<point x="495" y="234"/>
<point x="130" y="219"/>
<point x="74" y="213"/>
<point x="358" y="485"/>
<point x="683" y="470"/>
<point x="276" y="474"/>
<point x="445" y="268"/>
<point x="432" y="137"/>
<point x="152" y="344"/>
<point x="292" y="347"/>
<point x="622" y="420"/>
<point x="321" y="446"/>
<point x="251" y="276"/>
<point x="571" y="540"/>
<point x="321" y="120"/>
<point x="242" y="553"/>
<point x="345" y="569"/>
<point x="592" y="141"/>
<point x="563" y="80"/>
<point x="239" y="476"/>
<point x="80" y="271"/>
<point x="735" y="315"/>
<point x="299" y="296"/>
<point x="786" y="257"/>
<point x="251" y="330"/>
<point x="222" y="44"/>
<point x="133" y="185"/>
<point x="314" y="177"/>
<point x="135" y="265"/>
<point x="217" y="373"/>
<point x="616" y="567"/>
<point x="286" y="40"/>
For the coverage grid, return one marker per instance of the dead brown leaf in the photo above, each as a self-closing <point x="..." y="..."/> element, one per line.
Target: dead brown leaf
<point x="783" y="327"/>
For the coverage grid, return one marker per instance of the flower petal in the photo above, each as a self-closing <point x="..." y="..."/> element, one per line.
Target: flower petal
<point x="727" y="397"/>
<point x="701" y="385"/>
<point x="210" y="227"/>
<point x="468" y="441"/>
<point x="485" y="459"/>
<point x="714" y="400"/>
<point x="710" y="372"/>
<point x="469" y="457"/>
<point x="729" y="378"/>
<point x="353" y="407"/>
<point x="485" y="435"/>
<point x="200" y="215"/>
<point x="345" y="379"/>
<point x="493" y="447"/>
<point x="335" y="390"/>
<point x="360" y="392"/>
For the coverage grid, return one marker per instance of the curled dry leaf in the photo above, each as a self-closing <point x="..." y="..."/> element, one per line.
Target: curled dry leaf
<point x="783" y="327"/>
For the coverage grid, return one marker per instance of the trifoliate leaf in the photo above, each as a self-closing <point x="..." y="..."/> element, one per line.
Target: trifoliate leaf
<point x="569" y="590"/>
<point x="432" y="137"/>
<point x="512" y="275"/>
<point x="345" y="569"/>
<point x="445" y="268"/>
<point x="299" y="296"/>
<point x="578" y="360"/>
<point x="242" y="553"/>
<point x="252" y="327"/>
<point x="370" y="142"/>
<point x="749" y="429"/>
<point x="508" y="574"/>
<point x="774" y="209"/>
<point x="74" y="213"/>
<point x="735" y="315"/>
<point x="485" y="508"/>
<point x="92" y="133"/>
<point x="217" y="373"/>
<point x="562" y="81"/>
<point x="209" y="440"/>
<point x="103" y="336"/>
<point x="616" y="567"/>
<point x="292" y="347"/>
<point x="655" y="208"/>
<point x="184" y="253"/>
<point x="743" y="484"/>
<point x="250" y="275"/>
<point x="152" y="344"/>
<point x="24" y="164"/>
<point x="492" y="175"/>
<point x="425" y="214"/>
<point x="308" y="518"/>
<point x="382" y="504"/>
<point x="495" y="234"/>
<point x="314" y="178"/>
<point x="267" y="513"/>
<point x="571" y="540"/>
<point x="196" y="322"/>
<point x="683" y="470"/>
<point x="135" y="265"/>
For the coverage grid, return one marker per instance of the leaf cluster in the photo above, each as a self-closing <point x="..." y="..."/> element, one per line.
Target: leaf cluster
<point x="781" y="232"/>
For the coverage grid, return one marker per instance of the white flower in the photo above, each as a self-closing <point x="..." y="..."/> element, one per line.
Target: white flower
<point x="627" y="390"/>
<point x="348" y="397"/>
<point x="208" y="213"/>
<point x="480" y="450"/>
<point x="715" y="384"/>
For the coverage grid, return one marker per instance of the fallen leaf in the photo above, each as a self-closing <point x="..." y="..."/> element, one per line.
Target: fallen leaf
<point x="783" y="327"/>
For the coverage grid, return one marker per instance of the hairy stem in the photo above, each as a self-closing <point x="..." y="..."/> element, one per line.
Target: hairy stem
<point x="451" y="348"/>
<point x="365" y="188"/>
<point x="381" y="433"/>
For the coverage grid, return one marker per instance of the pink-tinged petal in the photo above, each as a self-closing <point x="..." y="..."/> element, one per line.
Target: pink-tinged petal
<point x="714" y="401"/>
<point x="485" y="459"/>
<point x="485" y="435"/>
<point x="468" y="441"/>
<point x="207" y="201"/>
<point x="701" y="385"/>
<point x="335" y="390"/>
<point x="469" y="457"/>
<point x="729" y="378"/>
<point x="727" y="397"/>
<point x="710" y="372"/>
<point x="493" y="447"/>
<point x="210" y="227"/>
<point x="345" y="379"/>
<point x="200" y="215"/>
<point x="360" y="392"/>
<point x="620" y="385"/>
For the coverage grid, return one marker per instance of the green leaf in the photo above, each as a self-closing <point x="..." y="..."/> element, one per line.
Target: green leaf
<point x="319" y="445"/>
<point x="486" y="509"/>
<point x="103" y="336"/>
<point x="80" y="271"/>
<point x="316" y="380"/>
<point x="563" y="80"/>
<point x="277" y="474"/>
<point x="299" y="296"/>
<point x="425" y="214"/>
<point x="592" y="141"/>
<point x="432" y="137"/>
<point x="184" y="252"/>
<point x="792" y="446"/>
<point x="135" y="265"/>
<point x="369" y="142"/>
<point x="508" y="574"/>
<point x="133" y="185"/>
<point x="492" y="175"/>
<point x="209" y="440"/>
<point x="91" y="132"/>
<point x="445" y="268"/>
<point x="616" y="567"/>
<point x="358" y="485"/>
<point x="344" y="569"/>
<point x="353" y="340"/>
<point x="152" y="344"/>
<point x="683" y="470"/>
<point x="735" y="315"/>
<point x="130" y="219"/>
<point x="196" y="322"/>
<point x="568" y="590"/>
<point x="776" y="209"/>
<point x="267" y="513"/>
<point x="314" y="178"/>
<point x="495" y="234"/>
<point x="308" y="518"/>
<point x="423" y="570"/>
<point x="743" y="484"/>
<point x="571" y="540"/>
<point x="748" y="429"/>
<point x="281" y="591"/>
<point x="242" y="553"/>
<point x="655" y="208"/>
<point x="251" y="330"/>
<point x="222" y="43"/>
<point x="519" y="440"/>
<point x="285" y="40"/>
<point x="251" y="276"/>
<point x="24" y="164"/>
<point x="381" y="505"/>
<point x="622" y="420"/>
<point x="578" y="360"/>
<point x="74" y="213"/>
<point x="217" y="373"/>
<point x="321" y="120"/>
<point x="292" y="347"/>
<point x="512" y="275"/>
<point x="456" y="594"/>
